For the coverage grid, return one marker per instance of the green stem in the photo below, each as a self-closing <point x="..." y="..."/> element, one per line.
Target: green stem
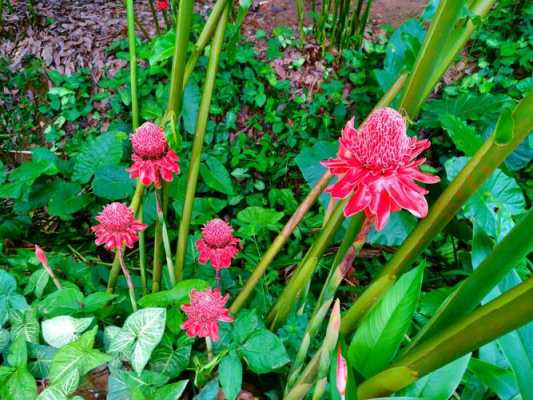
<point x="507" y="312"/>
<point x="202" y="41"/>
<point x="442" y="42"/>
<point x="142" y="254"/>
<point x="166" y="241"/>
<point x="300" y="8"/>
<point x="304" y="272"/>
<point x="115" y="268"/>
<point x="175" y="97"/>
<point x="133" y="64"/>
<point x="129" y="282"/>
<point x="201" y="123"/>
<point x="467" y="182"/>
<point x="278" y="243"/>
<point x="507" y="253"/>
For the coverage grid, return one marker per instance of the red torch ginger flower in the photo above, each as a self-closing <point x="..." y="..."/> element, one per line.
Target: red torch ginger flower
<point x="117" y="227"/>
<point x="342" y="373"/>
<point x="203" y="313"/>
<point x="217" y="244"/>
<point x="162" y="5"/>
<point x="377" y="164"/>
<point x="152" y="159"/>
<point x="41" y="255"/>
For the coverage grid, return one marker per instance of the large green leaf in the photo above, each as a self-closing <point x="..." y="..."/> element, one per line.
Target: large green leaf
<point x="113" y="182"/>
<point x="264" y="352"/>
<point x="191" y="104"/>
<point x="230" y="375"/>
<point x="380" y="334"/>
<point x="66" y="199"/>
<point x="19" y="385"/>
<point x="24" y="324"/>
<point x="105" y="150"/>
<point x="463" y="136"/>
<point x="216" y="176"/>
<point x="170" y="359"/>
<point x="139" y="336"/>
<point x="440" y="384"/>
<point x="60" y="302"/>
<point x="396" y="230"/>
<point x="64" y="329"/>
<point x="254" y="219"/>
<point x="174" y="296"/>
<point x="500" y="380"/>
<point x="78" y="355"/>
<point x="21" y="178"/>
<point x="491" y="207"/>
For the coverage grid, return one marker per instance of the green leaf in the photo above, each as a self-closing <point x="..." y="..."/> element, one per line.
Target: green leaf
<point x="209" y="391"/>
<point x="95" y="301"/>
<point x="23" y="177"/>
<point x="191" y="104"/>
<point x="78" y="355"/>
<point x="163" y="47"/>
<point x="246" y="323"/>
<point x="37" y="283"/>
<point x="18" y="353"/>
<point x="25" y="324"/>
<point x="169" y="359"/>
<point x="20" y="385"/>
<point x="177" y="294"/>
<point x="62" y="330"/>
<point x="396" y="230"/>
<point x="139" y="336"/>
<point x="113" y="182"/>
<point x="41" y="359"/>
<point x="500" y="380"/>
<point x="463" y="136"/>
<point x="62" y="301"/>
<point x="380" y="334"/>
<point x="230" y="375"/>
<point x="440" y="384"/>
<point x="172" y="391"/>
<point x="216" y="176"/>
<point x="308" y="160"/>
<point x="66" y="199"/>
<point x="496" y="200"/>
<point x="105" y="150"/>
<point x="264" y="352"/>
<point x="253" y="220"/>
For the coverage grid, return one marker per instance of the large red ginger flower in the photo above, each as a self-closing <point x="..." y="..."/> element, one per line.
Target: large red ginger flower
<point x="162" y="5"/>
<point x="217" y="244"/>
<point x="203" y="313"/>
<point x="117" y="227"/>
<point x="152" y="159"/>
<point x="377" y="164"/>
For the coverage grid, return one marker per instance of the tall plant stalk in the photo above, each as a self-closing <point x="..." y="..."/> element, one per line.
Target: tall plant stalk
<point x="493" y="152"/>
<point x="133" y="64"/>
<point x="201" y="123"/>
<point x="305" y="270"/>
<point x="154" y="16"/>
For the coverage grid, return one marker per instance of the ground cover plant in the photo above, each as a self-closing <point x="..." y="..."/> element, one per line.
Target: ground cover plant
<point x="197" y="226"/>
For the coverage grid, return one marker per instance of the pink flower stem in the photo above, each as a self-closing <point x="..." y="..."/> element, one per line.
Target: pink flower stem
<point x="50" y="272"/>
<point x="142" y="253"/>
<point x="217" y="278"/>
<point x="166" y="241"/>
<point x="131" y="288"/>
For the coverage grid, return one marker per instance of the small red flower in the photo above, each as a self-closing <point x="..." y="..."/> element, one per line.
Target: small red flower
<point x="377" y="164"/>
<point x="203" y="313"/>
<point x="217" y="244"/>
<point x="153" y="160"/>
<point x="41" y="255"/>
<point x="117" y="227"/>
<point x="162" y="5"/>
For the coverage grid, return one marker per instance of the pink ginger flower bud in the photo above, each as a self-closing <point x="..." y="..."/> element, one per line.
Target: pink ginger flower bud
<point x="342" y="373"/>
<point x="217" y="244"/>
<point x="377" y="166"/>
<point x="41" y="255"/>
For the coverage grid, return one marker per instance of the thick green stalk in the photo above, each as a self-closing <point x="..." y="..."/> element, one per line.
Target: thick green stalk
<point x="507" y="253"/>
<point x="201" y="123"/>
<point x="133" y="64"/>
<point x="467" y="182"/>
<point x="300" y="9"/>
<point x="115" y="268"/>
<point x="175" y="98"/>
<point x="363" y="22"/>
<point x="278" y="243"/>
<point x="441" y="27"/>
<point x="507" y="312"/>
<point x="319" y="365"/>
<point x="157" y="262"/>
<point x="307" y="267"/>
<point x="202" y="41"/>
<point x="164" y="235"/>
<point x="343" y="261"/>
